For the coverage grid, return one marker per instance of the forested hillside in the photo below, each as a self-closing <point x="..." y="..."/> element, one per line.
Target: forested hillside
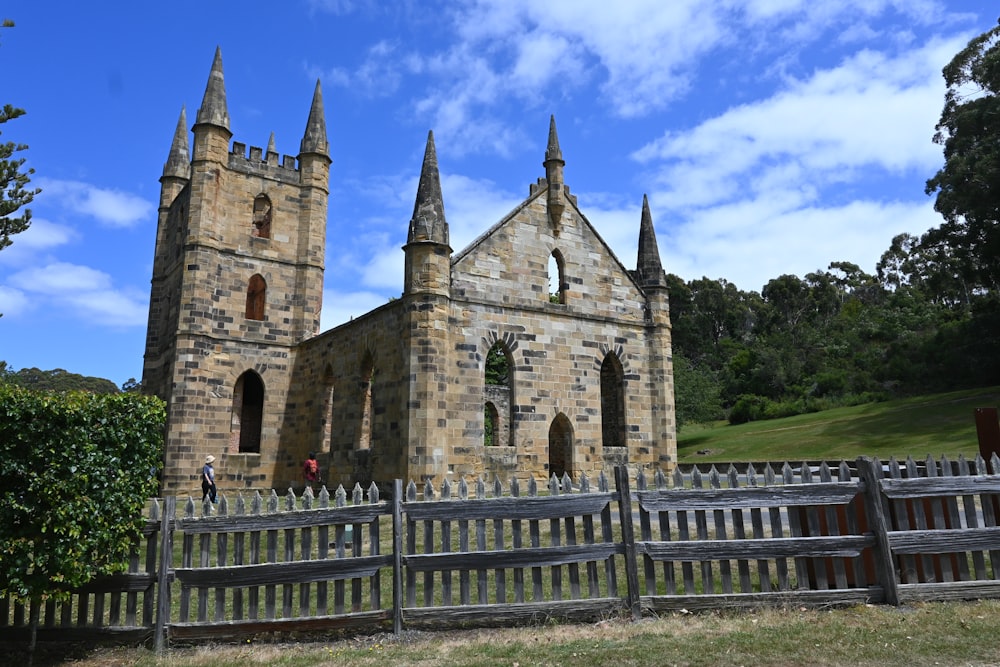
<point x="835" y="337"/>
<point x="55" y="380"/>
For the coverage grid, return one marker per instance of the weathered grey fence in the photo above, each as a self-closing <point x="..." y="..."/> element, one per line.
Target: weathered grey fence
<point x="812" y="534"/>
<point x="523" y="547"/>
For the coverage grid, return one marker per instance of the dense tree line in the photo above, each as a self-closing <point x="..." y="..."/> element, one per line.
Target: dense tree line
<point x="835" y="337"/>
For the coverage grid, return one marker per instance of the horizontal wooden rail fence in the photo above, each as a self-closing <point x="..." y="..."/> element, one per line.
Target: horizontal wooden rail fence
<point x="457" y="555"/>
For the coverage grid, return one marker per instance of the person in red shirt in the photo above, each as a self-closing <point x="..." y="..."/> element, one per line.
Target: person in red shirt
<point x="310" y="470"/>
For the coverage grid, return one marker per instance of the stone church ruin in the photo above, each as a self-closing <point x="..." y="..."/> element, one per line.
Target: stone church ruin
<point x="479" y="368"/>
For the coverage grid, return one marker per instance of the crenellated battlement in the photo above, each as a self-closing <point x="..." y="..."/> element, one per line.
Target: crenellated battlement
<point x="257" y="162"/>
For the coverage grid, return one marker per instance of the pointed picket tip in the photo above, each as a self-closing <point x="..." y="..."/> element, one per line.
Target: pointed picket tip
<point x="553" y="485"/>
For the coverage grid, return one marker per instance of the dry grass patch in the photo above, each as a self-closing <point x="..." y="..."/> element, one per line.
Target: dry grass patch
<point x="863" y="636"/>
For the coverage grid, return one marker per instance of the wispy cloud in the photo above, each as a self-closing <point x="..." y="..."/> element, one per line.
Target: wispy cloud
<point x="87" y="292"/>
<point x="13" y="302"/>
<point x="40" y="237"/>
<point x="112" y="208"/>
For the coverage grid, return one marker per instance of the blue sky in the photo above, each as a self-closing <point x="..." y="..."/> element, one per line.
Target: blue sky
<point x="772" y="136"/>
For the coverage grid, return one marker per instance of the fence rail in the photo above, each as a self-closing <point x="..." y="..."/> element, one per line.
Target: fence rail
<point x="811" y="534"/>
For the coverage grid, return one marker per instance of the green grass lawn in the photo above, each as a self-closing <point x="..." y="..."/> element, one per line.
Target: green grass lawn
<point x="936" y="425"/>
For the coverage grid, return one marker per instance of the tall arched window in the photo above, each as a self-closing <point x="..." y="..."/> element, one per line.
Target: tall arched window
<point x="261" y="217"/>
<point x="248" y="413"/>
<point x="560" y="446"/>
<point x="557" y="279"/>
<point x="256" y="297"/>
<point x="612" y="402"/>
<point x="497" y="397"/>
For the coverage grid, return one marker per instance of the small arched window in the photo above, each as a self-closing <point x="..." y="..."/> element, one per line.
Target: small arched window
<point x="557" y="279"/>
<point x="261" y="217"/>
<point x="256" y="297"/>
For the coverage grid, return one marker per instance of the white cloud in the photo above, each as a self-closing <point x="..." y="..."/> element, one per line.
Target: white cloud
<point x="89" y="293"/>
<point x="112" y="208"/>
<point x="472" y="206"/>
<point x="41" y="236"/>
<point x="60" y="278"/>
<point x="752" y="241"/>
<point x="340" y="307"/>
<point x="871" y="111"/>
<point x="13" y="302"/>
<point x="384" y="269"/>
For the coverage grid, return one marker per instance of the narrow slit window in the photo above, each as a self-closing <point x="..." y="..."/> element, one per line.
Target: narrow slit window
<point x="261" y="217"/>
<point x="557" y="279"/>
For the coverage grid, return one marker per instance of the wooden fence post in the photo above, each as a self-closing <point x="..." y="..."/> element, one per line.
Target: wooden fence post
<point x="163" y="575"/>
<point x="628" y="537"/>
<point x="397" y="556"/>
<point x="878" y="522"/>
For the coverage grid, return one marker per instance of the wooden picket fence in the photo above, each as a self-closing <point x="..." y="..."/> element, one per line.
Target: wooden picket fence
<point x="460" y="555"/>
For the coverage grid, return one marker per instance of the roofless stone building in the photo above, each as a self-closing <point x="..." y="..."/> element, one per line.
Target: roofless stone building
<point x="580" y="373"/>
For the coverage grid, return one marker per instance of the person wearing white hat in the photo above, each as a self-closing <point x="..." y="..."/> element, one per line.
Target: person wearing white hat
<point x="208" y="490"/>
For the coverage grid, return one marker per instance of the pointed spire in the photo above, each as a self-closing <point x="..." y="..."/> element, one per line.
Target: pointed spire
<point x="554" y="164"/>
<point x="179" y="159"/>
<point x="314" y="140"/>
<point x="213" y="110"/>
<point x="428" y="222"/>
<point x="552" y="151"/>
<point x="648" y="266"/>
<point x="271" y="145"/>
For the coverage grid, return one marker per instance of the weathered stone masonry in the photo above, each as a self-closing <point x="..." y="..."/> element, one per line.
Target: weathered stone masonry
<point x="233" y="342"/>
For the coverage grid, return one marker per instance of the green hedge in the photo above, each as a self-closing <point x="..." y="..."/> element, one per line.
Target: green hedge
<point x="76" y="470"/>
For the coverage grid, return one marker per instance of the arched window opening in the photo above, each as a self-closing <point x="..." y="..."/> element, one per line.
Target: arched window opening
<point x="367" y="397"/>
<point x="560" y="447"/>
<point x="248" y="413"/>
<point x="490" y="421"/>
<point x="261" y="217"/>
<point x="557" y="281"/>
<point x="256" y="297"/>
<point x="326" y="412"/>
<point x="612" y="402"/>
<point x="497" y="397"/>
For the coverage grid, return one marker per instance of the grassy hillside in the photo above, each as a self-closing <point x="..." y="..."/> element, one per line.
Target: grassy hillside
<point x="939" y="424"/>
